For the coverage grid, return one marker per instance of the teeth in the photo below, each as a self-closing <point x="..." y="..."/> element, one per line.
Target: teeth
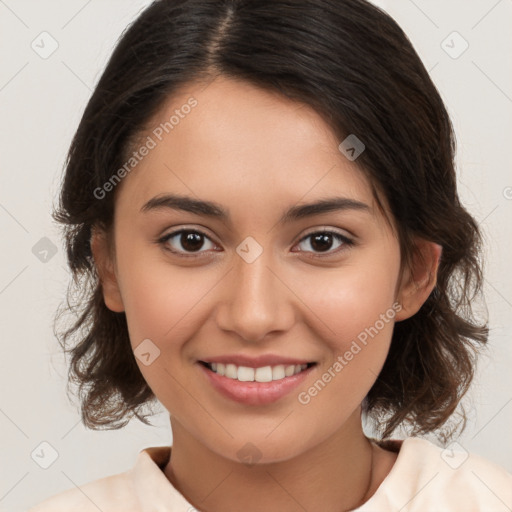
<point x="278" y="372"/>
<point x="289" y="370"/>
<point x="245" y="374"/>
<point x="231" y="371"/>
<point x="263" y="374"/>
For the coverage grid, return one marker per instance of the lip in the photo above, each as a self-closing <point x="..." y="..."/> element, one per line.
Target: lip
<point x="254" y="393"/>
<point x="256" y="362"/>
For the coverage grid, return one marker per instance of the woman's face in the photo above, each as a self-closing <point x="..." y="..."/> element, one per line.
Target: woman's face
<point x="254" y="282"/>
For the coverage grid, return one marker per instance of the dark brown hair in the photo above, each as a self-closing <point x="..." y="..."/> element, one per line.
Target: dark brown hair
<point x="353" y="64"/>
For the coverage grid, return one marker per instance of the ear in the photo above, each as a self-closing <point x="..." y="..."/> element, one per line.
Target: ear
<point x="106" y="270"/>
<point x="418" y="280"/>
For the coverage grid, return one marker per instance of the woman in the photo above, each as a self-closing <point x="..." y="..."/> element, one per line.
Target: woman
<point x="261" y="201"/>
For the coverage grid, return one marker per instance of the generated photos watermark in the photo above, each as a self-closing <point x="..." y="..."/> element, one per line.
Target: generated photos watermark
<point x="344" y="359"/>
<point x="150" y="143"/>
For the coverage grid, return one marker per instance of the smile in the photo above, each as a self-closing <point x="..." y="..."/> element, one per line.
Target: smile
<point x="261" y="374"/>
<point x="255" y="386"/>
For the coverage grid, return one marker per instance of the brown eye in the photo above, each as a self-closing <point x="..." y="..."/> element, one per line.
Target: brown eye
<point x="185" y="241"/>
<point x="191" y="241"/>
<point x="323" y="241"/>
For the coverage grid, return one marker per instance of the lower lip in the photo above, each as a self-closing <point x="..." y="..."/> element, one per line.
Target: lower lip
<point x="255" y="393"/>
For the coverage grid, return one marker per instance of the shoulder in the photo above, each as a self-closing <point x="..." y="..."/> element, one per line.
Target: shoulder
<point x="142" y="487"/>
<point x="428" y="477"/>
<point x="109" y="494"/>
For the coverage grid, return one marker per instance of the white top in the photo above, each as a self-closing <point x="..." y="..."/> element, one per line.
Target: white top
<point x="424" y="478"/>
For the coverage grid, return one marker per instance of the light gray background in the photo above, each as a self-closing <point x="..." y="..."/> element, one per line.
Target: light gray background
<point x="41" y="102"/>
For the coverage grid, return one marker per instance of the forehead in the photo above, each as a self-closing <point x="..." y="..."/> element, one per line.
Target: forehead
<point x="239" y="143"/>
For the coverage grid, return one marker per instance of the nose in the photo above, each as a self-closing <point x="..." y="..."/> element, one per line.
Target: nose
<point x="256" y="299"/>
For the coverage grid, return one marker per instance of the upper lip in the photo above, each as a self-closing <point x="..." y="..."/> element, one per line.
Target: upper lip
<point x="255" y="362"/>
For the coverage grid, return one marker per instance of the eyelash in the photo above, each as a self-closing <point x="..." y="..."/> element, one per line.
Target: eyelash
<point x="347" y="242"/>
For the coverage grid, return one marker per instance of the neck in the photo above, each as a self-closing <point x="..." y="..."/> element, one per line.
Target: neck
<point x="339" y="469"/>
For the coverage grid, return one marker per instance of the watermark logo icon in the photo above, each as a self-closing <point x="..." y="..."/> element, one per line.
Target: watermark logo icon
<point x="146" y="352"/>
<point x="352" y="147"/>
<point x="249" y="250"/>
<point x="45" y="45"/>
<point x="249" y="454"/>
<point x="44" y="250"/>
<point x="454" y="45"/>
<point x="44" y="455"/>
<point x="454" y="455"/>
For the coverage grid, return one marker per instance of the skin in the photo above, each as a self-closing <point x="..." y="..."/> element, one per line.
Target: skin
<point x="257" y="154"/>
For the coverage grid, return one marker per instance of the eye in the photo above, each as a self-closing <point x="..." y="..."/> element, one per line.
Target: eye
<point x="186" y="242"/>
<point x="190" y="240"/>
<point x="322" y="242"/>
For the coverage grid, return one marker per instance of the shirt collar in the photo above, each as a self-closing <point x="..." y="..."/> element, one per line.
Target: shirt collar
<point x="151" y="486"/>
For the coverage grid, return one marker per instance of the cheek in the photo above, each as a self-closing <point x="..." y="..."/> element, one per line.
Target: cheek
<point x="352" y="299"/>
<point x="162" y="303"/>
<point x="354" y="314"/>
<point x="160" y="298"/>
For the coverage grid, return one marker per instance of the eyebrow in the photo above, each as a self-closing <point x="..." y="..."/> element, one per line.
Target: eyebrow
<point x="217" y="211"/>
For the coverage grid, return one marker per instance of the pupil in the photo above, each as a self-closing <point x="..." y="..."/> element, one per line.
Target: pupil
<point x="191" y="241"/>
<point x="321" y="242"/>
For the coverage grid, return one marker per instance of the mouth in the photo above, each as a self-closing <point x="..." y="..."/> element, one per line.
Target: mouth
<point x="268" y="373"/>
<point x="255" y="385"/>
